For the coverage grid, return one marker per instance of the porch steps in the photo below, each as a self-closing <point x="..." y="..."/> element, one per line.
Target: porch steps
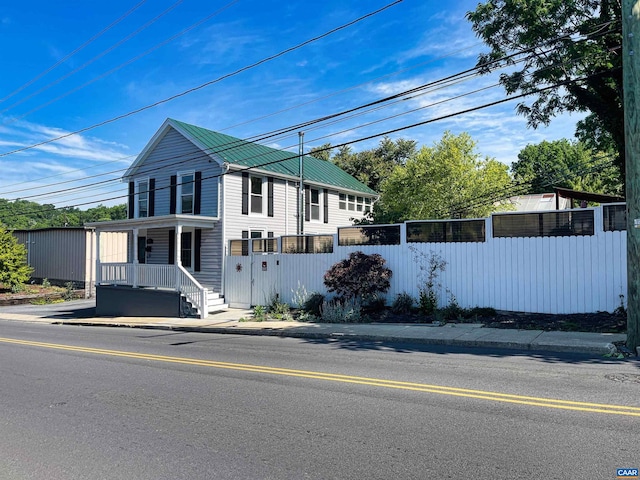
<point x="215" y="302"/>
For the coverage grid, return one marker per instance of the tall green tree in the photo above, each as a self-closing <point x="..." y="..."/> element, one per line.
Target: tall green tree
<point x="372" y="166"/>
<point x="563" y="163"/>
<point x="575" y="41"/>
<point x="13" y="260"/>
<point x="448" y="180"/>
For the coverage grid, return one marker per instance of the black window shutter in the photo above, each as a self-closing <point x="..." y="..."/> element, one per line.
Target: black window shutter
<point x="245" y="193"/>
<point x="197" y="194"/>
<point x="172" y="247"/>
<point x="325" y="200"/>
<point x="197" y="242"/>
<point x="270" y="196"/>
<point x="152" y="197"/>
<point x="307" y="203"/>
<point x="132" y="199"/>
<point x="173" y="194"/>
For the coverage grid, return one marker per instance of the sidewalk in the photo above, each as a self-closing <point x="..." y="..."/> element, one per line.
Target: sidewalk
<point x="228" y="322"/>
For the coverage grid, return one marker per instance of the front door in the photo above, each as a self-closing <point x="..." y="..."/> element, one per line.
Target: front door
<point x="142" y="249"/>
<point x="186" y="250"/>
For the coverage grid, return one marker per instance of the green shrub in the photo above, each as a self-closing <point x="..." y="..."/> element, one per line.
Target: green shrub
<point x="259" y="313"/>
<point x="313" y="304"/>
<point x="453" y="311"/>
<point x="403" y="303"/>
<point x="69" y="291"/>
<point x="278" y="310"/>
<point x="46" y="283"/>
<point x="13" y="260"/>
<point x="359" y="276"/>
<point x="375" y="302"/>
<point x="337" y="310"/>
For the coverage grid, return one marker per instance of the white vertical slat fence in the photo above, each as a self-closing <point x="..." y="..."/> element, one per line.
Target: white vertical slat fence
<point x="574" y="274"/>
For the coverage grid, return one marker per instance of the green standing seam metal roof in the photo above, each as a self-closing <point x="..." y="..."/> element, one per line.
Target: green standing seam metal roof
<point x="247" y="154"/>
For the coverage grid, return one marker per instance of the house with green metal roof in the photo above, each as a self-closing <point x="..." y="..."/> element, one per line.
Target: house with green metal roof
<point x="194" y="194"/>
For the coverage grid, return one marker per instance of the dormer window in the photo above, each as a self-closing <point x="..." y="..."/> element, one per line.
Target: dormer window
<point x="185" y="192"/>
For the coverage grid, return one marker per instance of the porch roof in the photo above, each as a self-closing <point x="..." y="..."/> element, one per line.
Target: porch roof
<point x="164" y="221"/>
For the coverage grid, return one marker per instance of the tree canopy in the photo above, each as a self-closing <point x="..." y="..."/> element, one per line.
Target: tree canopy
<point x="373" y="165"/>
<point x="574" y="43"/>
<point x="448" y="180"/>
<point x="26" y="215"/>
<point x="566" y="164"/>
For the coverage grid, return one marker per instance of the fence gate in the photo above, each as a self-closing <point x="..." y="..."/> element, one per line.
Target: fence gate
<point x="252" y="279"/>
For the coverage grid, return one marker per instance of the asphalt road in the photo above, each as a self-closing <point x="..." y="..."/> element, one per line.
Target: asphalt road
<point x="100" y="403"/>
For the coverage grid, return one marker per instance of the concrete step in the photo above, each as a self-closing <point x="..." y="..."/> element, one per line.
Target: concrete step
<point x="218" y="308"/>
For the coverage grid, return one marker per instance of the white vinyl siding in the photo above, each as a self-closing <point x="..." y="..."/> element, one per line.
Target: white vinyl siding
<point x="173" y="154"/>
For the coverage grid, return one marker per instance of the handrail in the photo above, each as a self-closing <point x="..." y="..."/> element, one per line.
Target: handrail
<point x="191" y="288"/>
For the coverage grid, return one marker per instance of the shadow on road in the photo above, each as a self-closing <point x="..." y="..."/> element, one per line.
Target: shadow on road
<point x="548" y="357"/>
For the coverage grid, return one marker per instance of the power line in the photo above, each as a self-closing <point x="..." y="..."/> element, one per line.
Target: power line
<point x="235" y="143"/>
<point x="69" y="55"/>
<point x="122" y="65"/>
<point x="219" y="79"/>
<point x="97" y="57"/>
<point x="470" y="75"/>
<point x="369" y="137"/>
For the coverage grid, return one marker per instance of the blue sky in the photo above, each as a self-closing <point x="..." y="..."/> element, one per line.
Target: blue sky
<point x="161" y="48"/>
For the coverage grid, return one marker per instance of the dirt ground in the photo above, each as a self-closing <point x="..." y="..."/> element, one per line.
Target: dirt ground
<point x="601" y="322"/>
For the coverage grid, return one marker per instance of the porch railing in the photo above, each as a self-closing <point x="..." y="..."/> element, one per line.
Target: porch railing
<point x="191" y="288"/>
<point x="116" y="273"/>
<point x="161" y="276"/>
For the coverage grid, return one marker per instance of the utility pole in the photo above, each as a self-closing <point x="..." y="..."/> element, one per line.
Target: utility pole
<point x="301" y="183"/>
<point x="631" y="89"/>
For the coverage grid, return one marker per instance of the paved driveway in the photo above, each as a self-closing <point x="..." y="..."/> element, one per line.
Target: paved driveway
<point x="73" y="309"/>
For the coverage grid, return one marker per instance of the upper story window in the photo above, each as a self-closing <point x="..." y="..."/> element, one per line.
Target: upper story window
<point x="315" y="203"/>
<point x="257" y="196"/>
<point x="142" y="198"/>
<point x="185" y="192"/>
<point x="342" y="202"/>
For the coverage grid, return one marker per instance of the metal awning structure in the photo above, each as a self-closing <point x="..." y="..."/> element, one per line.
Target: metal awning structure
<point x="586" y="196"/>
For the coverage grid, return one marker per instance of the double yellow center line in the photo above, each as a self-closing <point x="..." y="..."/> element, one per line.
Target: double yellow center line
<point x="369" y="381"/>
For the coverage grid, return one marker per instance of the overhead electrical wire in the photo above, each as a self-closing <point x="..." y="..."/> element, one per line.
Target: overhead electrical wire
<point x="232" y="145"/>
<point x="478" y="66"/>
<point x="369" y="137"/>
<point x="85" y="186"/>
<point x="122" y="65"/>
<point x="71" y="54"/>
<point x="206" y="84"/>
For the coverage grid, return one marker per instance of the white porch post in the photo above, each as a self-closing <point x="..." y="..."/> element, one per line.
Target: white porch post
<point x="178" y="254"/>
<point x="135" y="257"/>
<point x="98" y="269"/>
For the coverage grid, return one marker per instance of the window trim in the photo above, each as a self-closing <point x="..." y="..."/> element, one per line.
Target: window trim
<point x="179" y="193"/>
<point x="137" y="196"/>
<point x="318" y="205"/>
<point x="262" y="195"/>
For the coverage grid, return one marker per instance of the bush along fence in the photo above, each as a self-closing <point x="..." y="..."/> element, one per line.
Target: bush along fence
<point x="570" y="261"/>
